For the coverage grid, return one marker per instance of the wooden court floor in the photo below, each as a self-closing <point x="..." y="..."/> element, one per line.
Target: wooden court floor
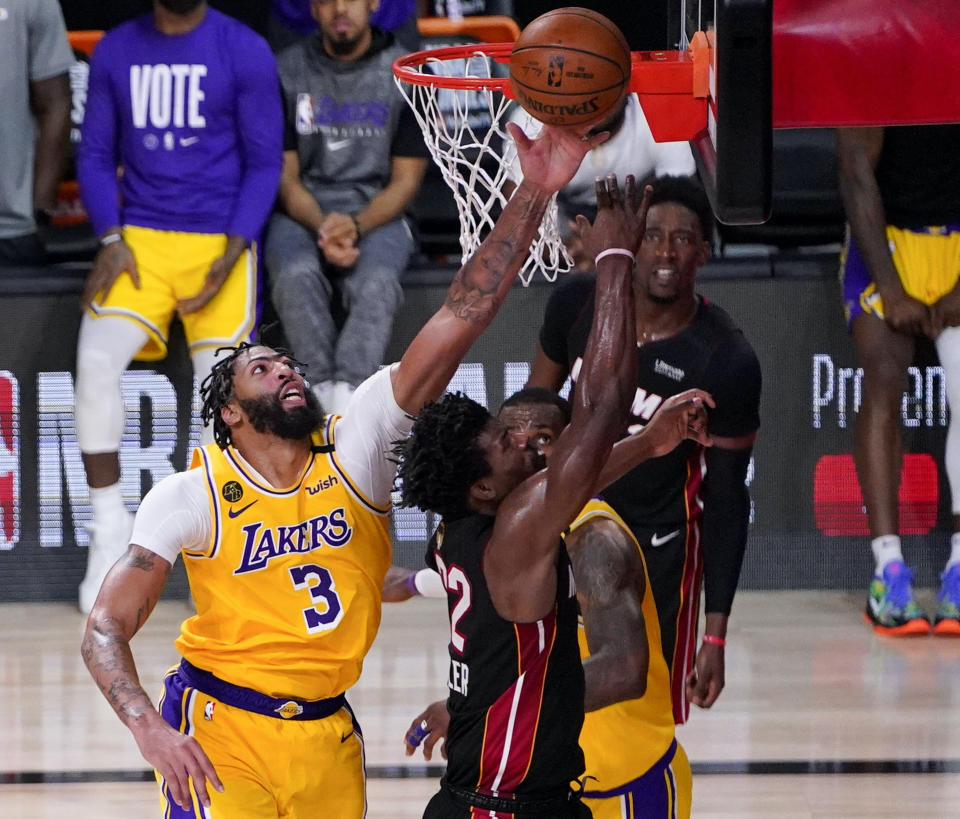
<point x="820" y="718"/>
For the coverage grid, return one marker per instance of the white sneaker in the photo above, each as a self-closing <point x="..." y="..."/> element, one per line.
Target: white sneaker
<point x="325" y="392"/>
<point x="108" y="543"/>
<point x="342" y="393"/>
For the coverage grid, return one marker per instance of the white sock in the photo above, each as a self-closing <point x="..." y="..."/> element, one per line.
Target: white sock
<point x="954" y="551"/>
<point x="886" y="549"/>
<point x="107" y="502"/>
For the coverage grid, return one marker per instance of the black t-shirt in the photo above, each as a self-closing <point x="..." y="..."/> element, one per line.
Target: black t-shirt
<point x="516" y="689"/>
<point x="710" y="353"/>
<point x="917" y="175"/>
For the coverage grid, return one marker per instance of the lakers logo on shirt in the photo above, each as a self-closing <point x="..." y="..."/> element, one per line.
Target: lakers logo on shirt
<point x="263" y="543"/>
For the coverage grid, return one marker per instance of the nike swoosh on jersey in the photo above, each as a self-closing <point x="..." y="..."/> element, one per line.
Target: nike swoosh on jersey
<point x="185" y="141"/>
<point x="656" y="541"/>
<point x="345" y="738"/>
<point x="337" y="144"/>
<point x="234" y="512"/>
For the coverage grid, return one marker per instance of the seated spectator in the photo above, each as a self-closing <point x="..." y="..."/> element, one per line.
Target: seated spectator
<point x="353" y="161"/>
<point x="35" y="59"/>
<point x="291" y="20"/>
<point x="630" y="149"/>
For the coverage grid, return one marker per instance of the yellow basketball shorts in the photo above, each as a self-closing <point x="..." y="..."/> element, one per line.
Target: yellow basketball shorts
<point x="927" y="260"/>
<point x="663" y="792"/>
<point x="173" y="266"/>
<point x="270" y="766"/>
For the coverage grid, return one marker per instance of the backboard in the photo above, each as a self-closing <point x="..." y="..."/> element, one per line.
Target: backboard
<point x="734" y="150"/>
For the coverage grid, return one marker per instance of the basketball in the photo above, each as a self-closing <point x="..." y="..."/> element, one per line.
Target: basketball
<point x="570" y="67"/>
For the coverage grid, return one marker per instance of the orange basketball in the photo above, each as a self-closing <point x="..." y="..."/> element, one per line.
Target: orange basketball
<point x="570" y="67"/>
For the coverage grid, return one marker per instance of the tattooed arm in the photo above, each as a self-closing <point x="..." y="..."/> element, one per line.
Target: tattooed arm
<point x="481" y="285"/>
<point x="611" y="583"/>
<point x="129" y="593"/>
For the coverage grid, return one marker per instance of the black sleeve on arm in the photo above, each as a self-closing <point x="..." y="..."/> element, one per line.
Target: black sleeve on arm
<point x="726" y="520"/>
<point x="290" y="138"/>
<point x="408" y="141"/>
<point x="569" y="298"/>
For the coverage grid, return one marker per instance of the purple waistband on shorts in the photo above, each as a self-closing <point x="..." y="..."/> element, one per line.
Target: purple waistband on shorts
<point x="250" y="700"/>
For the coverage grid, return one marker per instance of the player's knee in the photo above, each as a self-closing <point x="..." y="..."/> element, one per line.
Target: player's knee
<point x="98" y="375"/>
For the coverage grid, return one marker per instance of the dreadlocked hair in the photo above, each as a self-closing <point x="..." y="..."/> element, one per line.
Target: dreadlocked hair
<point x="441" y="460"/>
<point x="216" y="390"/>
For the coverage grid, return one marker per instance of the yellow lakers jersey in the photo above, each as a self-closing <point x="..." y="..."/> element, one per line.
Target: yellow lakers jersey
<point x="288" y="590"/>
<point x="623" y="740"/>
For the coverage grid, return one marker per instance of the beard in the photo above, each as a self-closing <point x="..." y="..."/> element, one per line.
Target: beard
<point x="343" y="47"/>
<point x="181" y="7"/>
<point x="267" y="414"/>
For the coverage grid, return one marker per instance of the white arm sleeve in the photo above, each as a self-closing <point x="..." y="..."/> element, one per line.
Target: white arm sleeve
<point x="371" y="424"/>
<point x="174" y="515"/>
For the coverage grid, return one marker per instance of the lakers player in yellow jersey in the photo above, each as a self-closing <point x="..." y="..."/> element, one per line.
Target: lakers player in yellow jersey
<point x="634" y="767"/>
<point x="283" y="527"/>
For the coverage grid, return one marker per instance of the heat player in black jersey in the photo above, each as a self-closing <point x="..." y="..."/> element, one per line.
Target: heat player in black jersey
<point x="516" y="683"/>
<point x="690" y="508"/>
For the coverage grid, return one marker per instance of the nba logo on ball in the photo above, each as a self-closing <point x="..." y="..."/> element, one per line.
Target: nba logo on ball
<point x="570" y="67"/>
<point x="9" y="460"/>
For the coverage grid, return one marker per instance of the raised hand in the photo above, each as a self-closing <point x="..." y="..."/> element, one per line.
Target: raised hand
<point x="681" y="416"/>
<point x="551" y="160"/>
<point x="621" y="220"/>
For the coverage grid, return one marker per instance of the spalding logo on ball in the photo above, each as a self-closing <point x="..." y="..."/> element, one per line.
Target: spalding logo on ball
<point x="570" y="67"/>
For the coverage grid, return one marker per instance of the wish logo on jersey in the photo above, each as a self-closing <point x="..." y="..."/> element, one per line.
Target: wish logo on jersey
<point x="263" y="543"/>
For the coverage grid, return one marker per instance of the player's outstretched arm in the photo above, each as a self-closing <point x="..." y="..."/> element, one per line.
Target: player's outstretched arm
<point x="522" y="580"/>
<point x="610" y="588"/>
<point x="481" y="285"/>
<point x="682" y="416"/>
<point x="128" y="596"/>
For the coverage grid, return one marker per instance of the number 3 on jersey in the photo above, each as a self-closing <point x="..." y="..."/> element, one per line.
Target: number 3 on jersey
<point x="319" y="582"/>
<point x="455" y="580"/>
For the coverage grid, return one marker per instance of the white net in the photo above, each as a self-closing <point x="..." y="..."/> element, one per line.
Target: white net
<point x="465" y="131"/>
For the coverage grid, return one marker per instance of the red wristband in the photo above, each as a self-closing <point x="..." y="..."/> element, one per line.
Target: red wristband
<point x="714" y="640"/>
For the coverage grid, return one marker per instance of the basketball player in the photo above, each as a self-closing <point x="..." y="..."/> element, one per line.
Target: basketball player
<point x="283" y="527"/>
<point x="689" y="510"/>
<point x="901" y="268"/>
<point x="634" y="765"/>
<point x="186" y="101"/>
<point x="516" y="683"/>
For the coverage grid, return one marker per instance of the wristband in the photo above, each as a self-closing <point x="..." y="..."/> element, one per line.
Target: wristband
<point x="111" y="239"/>
<point x="713" y="640"/>
<point x="613" y="251"/>
<point x="412" y="584"/>
<point x="356" y="224"/>
<point x="429" y="584"/>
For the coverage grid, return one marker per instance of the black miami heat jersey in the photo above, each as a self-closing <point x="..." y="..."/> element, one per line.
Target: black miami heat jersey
<point x="661" y="500"/>
<point x="516" y="689"/>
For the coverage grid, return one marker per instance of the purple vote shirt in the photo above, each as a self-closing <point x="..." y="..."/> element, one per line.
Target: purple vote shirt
<point x="194" y="120"/>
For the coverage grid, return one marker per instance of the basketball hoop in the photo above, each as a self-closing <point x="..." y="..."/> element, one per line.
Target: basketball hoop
<point x="461" y="97"/>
